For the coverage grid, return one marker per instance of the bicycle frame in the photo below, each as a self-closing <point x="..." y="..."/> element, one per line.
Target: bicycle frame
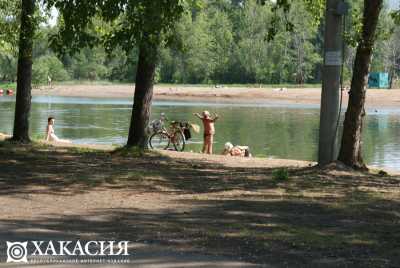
<point x="158" y="126"/>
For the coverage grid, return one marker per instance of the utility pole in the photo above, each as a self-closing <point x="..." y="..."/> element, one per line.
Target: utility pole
<point x="333" y="46"/>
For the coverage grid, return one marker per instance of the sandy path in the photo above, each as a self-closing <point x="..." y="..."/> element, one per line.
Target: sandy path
<point x="375" y="98"/>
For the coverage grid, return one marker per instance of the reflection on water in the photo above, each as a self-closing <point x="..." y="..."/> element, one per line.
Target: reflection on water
<point x="270" y="130"/>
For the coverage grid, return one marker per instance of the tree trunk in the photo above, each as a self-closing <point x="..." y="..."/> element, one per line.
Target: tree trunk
<point x="350" y="152"/>
<point x="24" y="72"/>
<point x="141" y="110"/>
<point x="391" y="74"/>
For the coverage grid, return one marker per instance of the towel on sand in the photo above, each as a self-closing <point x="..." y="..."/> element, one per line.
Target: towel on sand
<point x="195" y="127"/>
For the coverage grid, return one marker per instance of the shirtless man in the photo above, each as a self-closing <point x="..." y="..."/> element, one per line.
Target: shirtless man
<point x="209" y="130"/>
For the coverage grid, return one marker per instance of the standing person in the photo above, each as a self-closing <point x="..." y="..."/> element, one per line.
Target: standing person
<point x="49" y="81"/>
<point x="209" y="130"/>
<point x="50" y="134"/>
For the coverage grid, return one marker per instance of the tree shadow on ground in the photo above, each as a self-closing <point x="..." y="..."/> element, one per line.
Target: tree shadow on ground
<point x="50" y="170"/>
<point x="315" y="218"/>
<point x="282" y="233"/>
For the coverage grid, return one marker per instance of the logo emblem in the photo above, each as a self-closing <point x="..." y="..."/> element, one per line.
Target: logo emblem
<point x="17" y="252"/>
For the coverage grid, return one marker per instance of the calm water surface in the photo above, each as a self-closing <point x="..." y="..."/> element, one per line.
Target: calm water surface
<point x="270" y="130"/>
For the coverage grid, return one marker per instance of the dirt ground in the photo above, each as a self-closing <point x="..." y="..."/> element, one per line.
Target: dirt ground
<point x="375" y="97"/>
<point x="236" y="209"/>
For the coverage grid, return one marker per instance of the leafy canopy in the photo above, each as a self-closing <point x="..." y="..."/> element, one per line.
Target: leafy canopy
<point x="127" y="23"/>
<point x="9" y="12"/>
<point x="281" y="9"/>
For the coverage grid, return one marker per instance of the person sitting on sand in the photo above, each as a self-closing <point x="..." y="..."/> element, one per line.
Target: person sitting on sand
<point x="209" y="130"/>
<point x="237" y="150"/>
<point x="50" y="135"/>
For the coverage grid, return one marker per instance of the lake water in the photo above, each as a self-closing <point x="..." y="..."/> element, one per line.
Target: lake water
<point x="276" y="131"/>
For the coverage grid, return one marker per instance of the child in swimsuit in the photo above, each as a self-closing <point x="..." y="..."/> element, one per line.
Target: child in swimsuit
<point x="209" y="130"/>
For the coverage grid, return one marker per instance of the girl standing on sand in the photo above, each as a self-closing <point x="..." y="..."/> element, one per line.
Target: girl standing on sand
<point x="50" y="134"/>
<point x="209" y="130"/>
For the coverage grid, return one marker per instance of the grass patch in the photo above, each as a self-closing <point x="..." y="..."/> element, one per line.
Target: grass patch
<point x="4" y="85"/>
<point x="129" y="151"/>
<point x="33" y="145"/>
<point x="83" y="150"/>
<point x="134" y="152"/>
<point x="38" y="137"/>
<point x="281" y="174"/>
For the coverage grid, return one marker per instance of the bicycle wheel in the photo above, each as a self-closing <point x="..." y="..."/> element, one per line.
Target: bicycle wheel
<point x="179" y="141"/>
<point x="159" y="140"/>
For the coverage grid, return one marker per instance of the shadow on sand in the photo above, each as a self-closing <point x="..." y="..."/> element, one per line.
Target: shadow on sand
<point x="316" y="218"/>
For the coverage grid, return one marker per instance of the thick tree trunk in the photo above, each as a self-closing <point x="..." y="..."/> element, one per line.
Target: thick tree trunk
<point x="350" y="151"/>
<point x="24" y="72"/>
<point x="146" y="68"/>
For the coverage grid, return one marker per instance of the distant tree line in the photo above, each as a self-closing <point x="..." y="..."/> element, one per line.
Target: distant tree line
<point x="222" y="42"/>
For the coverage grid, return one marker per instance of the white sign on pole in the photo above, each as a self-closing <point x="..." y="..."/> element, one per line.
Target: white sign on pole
<point x="333" y="58"/>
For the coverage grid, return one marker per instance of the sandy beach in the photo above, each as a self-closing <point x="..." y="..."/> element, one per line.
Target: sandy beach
<point x="304" y="96"/>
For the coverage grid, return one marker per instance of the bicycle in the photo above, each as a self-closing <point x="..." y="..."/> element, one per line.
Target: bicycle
<point x="163" y="137"/>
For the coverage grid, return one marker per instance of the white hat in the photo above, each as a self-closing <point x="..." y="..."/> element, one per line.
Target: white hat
<point x="206" y="113"/>
<point x="228" y="146"/>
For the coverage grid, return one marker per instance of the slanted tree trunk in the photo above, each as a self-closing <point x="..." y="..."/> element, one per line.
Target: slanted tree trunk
<point x="146" y="69"/>
<point x="24" y="72"/>
<point x="350" y="151"/>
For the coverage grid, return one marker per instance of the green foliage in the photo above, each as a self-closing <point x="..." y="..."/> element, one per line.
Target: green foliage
<point x="217" y="42"/>
<point x="8" y="66"/>
<point x="12" y="86"/>
<point x="122" y="66"/>
<point x="229" y="44"/>
<point x="316" y="9"/>
<point x="48" y="66"/>
<point x="281" y="8"/>
<point x="39" y="73"/>
<point x="281" y="174"/>
<point x="128" y="23"/>
<point x="56" y="68"/>
<point x="9" y="24"/>
<point x="396" y="16"/>
<point x="89" y="64"/>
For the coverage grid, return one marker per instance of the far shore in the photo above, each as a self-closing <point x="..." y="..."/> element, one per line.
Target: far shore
<point x="376" y="98"/>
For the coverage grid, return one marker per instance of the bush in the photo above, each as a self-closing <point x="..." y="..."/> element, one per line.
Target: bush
<point x="56" y="69"/>
<point x="48" y="65"/>
<point x="8" y="67"/>
<point x="40" y="71"/>
<point x="281" y="174"/>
